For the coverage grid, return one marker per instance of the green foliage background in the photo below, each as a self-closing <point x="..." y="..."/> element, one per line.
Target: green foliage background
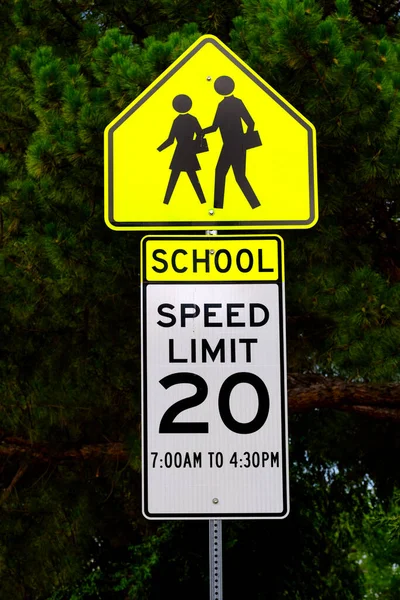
<point x="69" y="316"/>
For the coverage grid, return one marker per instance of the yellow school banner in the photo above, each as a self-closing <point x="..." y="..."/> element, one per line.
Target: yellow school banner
<point x="213" y="258"/>
<point x="210" y="145"/>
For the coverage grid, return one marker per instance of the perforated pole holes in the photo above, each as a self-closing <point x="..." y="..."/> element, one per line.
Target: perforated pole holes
<point x="215" y="529"/>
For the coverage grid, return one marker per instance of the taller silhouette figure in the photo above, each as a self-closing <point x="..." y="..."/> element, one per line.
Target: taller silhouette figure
<point x="228" y="119"/>
<point x="185" y="156"/>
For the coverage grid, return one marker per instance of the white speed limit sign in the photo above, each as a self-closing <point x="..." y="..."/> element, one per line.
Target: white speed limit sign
<point x="214" y="411"/>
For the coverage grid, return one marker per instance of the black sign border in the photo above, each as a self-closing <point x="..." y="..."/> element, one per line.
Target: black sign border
<point x="282" y="341"/>
<point x="211" y="223"/>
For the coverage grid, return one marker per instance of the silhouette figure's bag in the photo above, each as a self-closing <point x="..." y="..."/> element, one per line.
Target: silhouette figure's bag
<point x="200" y="144"/>
<point x="252" y="140"/>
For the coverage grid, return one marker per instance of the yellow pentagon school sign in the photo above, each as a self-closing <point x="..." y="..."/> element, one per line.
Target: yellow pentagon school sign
<point x="210" y="145"/>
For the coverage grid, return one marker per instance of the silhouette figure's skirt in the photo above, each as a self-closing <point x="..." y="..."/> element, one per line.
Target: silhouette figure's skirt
<point x="184" y="159"/>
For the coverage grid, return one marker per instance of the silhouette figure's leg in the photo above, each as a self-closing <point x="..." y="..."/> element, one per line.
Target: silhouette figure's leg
<point x="221" y="170"/>
<point x="196" y="184"/>
<point x="173" y="178"/>
<point x="239" y="170"/>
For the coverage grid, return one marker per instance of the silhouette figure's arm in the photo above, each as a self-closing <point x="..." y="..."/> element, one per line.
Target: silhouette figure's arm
<point x="169" y="141"/>
<point x="245" y="116"/>
<point x="210" y="129"/>
<point x="198" y="130"/>
<point x="214" y="126"/>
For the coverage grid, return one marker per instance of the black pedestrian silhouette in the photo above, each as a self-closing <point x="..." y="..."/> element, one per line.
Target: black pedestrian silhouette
<point x="228" y="119"/>
<point x="185" y="156"/>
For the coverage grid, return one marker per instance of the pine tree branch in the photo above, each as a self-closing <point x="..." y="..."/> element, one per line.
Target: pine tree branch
<point x="306" y="392"/>
<point x="66" y="16"/>
<point x="48" y="452"/>
<point x="21" y="471"/>
<point x="379" y="401"/>
<point x="133" y="26"/>
<point x="1" y="229"/>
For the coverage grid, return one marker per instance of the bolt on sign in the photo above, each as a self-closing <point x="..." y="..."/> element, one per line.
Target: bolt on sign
<point x="210" y="144"/>
<point x="214" y="422"/>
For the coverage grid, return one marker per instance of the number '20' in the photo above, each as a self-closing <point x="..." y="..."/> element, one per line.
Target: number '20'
<point x="169" y="425"/>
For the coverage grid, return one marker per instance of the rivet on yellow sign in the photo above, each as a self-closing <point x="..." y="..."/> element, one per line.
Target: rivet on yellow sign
<point x="210" y="145"/>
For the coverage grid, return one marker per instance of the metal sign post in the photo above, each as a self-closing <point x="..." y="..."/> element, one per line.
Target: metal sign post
<point x="215" y="549"/>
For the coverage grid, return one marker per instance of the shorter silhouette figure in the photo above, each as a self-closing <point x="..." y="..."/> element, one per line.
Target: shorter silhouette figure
<point x="185" y="159"/>
<point x="228" y="119"/>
